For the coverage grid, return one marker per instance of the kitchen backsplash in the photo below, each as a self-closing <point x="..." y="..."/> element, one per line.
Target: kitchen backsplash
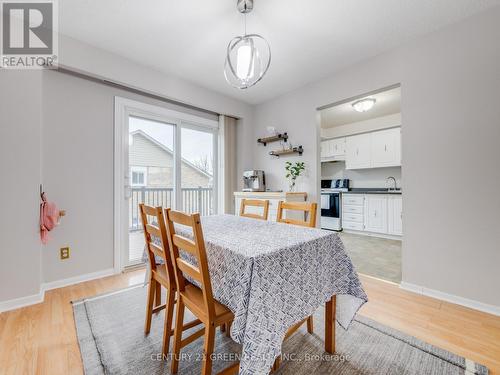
<point x="361" y="178"/>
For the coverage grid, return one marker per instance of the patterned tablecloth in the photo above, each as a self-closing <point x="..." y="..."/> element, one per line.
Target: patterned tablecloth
<point x="271" y="276"/>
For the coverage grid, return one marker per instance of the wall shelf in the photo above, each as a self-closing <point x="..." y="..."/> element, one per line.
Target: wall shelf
<point x="295" y="150"/>
<point x="274" y="138"/>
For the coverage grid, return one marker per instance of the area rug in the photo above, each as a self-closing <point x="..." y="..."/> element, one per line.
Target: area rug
<point x="110" y="331"/>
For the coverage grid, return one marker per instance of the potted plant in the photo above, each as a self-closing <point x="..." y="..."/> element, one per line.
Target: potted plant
<point x="293" y="170"/>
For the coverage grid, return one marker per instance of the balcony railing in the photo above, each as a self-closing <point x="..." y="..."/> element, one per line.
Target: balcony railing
<point x="193" y="200"/>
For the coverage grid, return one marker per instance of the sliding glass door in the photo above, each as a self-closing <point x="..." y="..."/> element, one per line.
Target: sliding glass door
<point x="168" y="159"/>
<point x="151" y="173"/>
<point x="198" y="172"/>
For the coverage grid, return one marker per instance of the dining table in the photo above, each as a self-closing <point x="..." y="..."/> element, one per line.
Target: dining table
<point x="272" y="276"/>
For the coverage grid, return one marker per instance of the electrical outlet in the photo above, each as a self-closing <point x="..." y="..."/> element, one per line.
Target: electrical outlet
<point x="64" y="253"/>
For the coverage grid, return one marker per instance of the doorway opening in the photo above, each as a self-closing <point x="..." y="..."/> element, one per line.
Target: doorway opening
<point x="361" y="179"/>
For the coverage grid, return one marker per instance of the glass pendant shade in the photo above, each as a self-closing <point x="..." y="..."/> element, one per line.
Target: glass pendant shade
<point x="247" y="60"/>
<point x="245" y="68"/>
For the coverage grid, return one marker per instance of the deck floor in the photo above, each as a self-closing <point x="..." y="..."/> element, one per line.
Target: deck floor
<point x="136" y="245"/>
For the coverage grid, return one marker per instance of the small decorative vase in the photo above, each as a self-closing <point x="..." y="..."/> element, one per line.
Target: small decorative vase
<point x="292" y="186"/>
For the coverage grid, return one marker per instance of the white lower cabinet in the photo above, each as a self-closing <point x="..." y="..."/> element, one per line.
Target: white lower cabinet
<point x="395" y="215"/>
<point x="353" y="211"/>
<point x="376" y="213"/>
<point x="373" y="213"/>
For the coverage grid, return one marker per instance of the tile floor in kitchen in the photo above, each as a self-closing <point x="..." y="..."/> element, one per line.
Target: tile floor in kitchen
<point x="373" y="256"/>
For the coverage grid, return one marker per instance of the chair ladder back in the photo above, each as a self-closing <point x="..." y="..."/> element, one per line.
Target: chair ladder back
<point x="264" y="203"/>
<point x="181" y="267"/>
<point x="185" y="244"/>
<point x="307" y="207"/>
<point x="158" y="230"/>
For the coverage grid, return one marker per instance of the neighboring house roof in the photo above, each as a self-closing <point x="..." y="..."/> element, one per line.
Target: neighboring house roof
<point x="168" y="150"/>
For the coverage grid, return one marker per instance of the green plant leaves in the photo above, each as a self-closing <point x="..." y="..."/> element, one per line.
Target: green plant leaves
<point x="294" y="170"/>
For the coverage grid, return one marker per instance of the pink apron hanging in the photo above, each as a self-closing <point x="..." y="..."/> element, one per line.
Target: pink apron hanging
<point x="49" y="218"/>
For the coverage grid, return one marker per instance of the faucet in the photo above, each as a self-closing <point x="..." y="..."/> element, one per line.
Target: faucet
<point x="395" y="184"/>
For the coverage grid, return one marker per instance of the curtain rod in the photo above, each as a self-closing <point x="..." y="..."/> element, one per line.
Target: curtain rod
<point x="133" y="90"/>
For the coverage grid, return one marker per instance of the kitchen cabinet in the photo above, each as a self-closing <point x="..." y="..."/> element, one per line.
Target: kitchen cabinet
<point x="376" y="213"/>
<point x="373" y="214"/>
<point x="337" y="146"/>
<point x="377" y="149"/>
<point x="395" y="215"/>
<point x="353" y="211"/>
<point x="386" y="148"/>
<point x="358" y="151"/>
<point x="333" y="148"/>
<point x="325" y="149"/>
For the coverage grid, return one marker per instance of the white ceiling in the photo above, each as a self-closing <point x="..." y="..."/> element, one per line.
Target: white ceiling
<point x="387" y="103"/>
<point x="309" y="39"/>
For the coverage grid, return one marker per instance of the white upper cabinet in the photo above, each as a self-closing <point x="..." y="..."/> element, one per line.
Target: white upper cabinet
<point x="358" y="152"/>
<point x="325" y="149"/>
<point x="374" y="150"/>
<point x="376" y="213"/>
<point x="333" y="148"/>
<point x="395" y="212"/>
<point x="386" y="148"/>
<point x="338" y="146"/>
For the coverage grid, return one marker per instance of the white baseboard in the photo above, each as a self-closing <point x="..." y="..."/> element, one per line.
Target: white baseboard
<point x="476" y="305"/>
<point x="38" y="298"/>
<point x="77" y="279"/>
<point x="17" y="303"/>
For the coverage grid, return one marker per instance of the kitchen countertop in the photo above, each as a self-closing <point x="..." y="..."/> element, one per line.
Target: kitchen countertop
<point x="372" y="191"/>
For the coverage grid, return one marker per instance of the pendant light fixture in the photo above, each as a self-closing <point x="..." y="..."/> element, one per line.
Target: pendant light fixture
<point x="248" y="56"/>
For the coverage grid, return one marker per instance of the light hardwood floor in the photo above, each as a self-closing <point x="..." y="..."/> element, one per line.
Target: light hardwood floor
<point x="41" y="339"/>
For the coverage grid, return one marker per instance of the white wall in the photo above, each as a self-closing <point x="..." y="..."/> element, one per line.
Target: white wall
<point x="103" y="64"/>
<point x="450" y="136"/>
<point x="71" y="131"/>
<point x="20" y="119"/>
<point x="78" y="171"/>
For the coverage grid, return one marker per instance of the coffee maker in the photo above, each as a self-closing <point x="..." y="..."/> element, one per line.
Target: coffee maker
<point x="254" y="181"/>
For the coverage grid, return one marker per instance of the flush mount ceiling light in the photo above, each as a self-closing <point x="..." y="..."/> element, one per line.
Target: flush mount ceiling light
<point x="248" y="56"/>
<point x="364" y="105"/>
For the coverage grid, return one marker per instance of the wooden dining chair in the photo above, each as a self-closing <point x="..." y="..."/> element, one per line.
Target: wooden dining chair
<point x="264" y="203"/>
<point x="199" y="301"/>
<point x="308" y="208"/>
<point x="162" y="272"/>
